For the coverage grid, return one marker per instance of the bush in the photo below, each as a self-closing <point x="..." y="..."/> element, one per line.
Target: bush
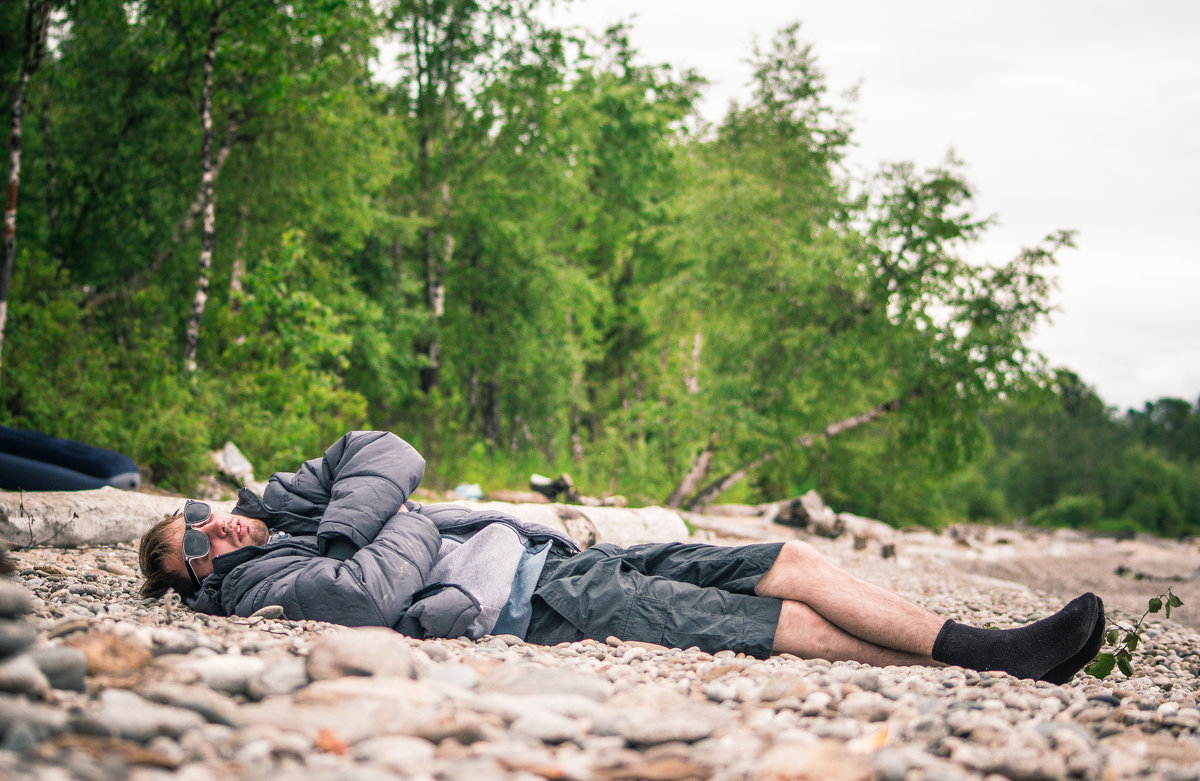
<point x="1072" y="511"/>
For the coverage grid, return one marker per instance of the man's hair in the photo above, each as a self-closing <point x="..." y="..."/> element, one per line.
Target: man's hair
<point x="158" y="546"/>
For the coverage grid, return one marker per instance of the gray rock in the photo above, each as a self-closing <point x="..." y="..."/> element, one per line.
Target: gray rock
<point x="398" y="753"/>
<point x="14" y="600"/>
<point x="64" y="668"/>
<point x="20" y="675"/>
<point x="228" y="673"/>
<point x="547" y="727"/>
<point x="214" y="707"/>
<point x="891" y="765"/>
<point x="15" y="636"/>
<point x="649" y="728"/>
<point x="174" y="641"/>
<point x="40" y="721"/>
<point x="460" y="675"/>
<point x="865" y="706"/>
<point x="279" y="677"/>
<point x="524" y="678"/>
<point x="231" y="462"/>
<point x="866" y="679"/>
<point x="927" y="728"/>
<point x="269" y="611"/>
<point x="365" y="651"/>
<point x="436" y="651"/>
<point x="784" y="685"/>
<point x="126" y="715"/>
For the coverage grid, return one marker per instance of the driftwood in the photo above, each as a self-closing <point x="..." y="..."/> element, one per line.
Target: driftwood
<point x="108" y="516"/>
<point x="589" y="525"/>
<point x="105" y="516"/>
<point x="809" y="512"/>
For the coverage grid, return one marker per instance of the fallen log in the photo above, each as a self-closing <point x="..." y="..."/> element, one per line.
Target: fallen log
<point x="69" y="519"/>
<point x="108" y="516"/>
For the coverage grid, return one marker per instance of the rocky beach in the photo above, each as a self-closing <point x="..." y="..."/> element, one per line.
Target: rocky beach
<point x="101" y="684"/>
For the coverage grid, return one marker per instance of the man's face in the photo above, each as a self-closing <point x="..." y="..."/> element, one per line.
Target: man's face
<point x="226" y="532"/>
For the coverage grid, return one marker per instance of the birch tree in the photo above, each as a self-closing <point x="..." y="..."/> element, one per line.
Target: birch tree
<point x="208" y="206"/>
<point x="452" y="52"/>
<point x="37" y="20"/>
<point x="828" y="313"/>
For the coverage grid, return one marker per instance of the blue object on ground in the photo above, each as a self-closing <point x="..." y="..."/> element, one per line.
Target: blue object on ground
<point x="32" y="461"/>
<point x="468" y="491"/>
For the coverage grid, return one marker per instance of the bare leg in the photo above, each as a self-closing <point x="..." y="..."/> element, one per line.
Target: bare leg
<point x="803" y="632"/>
<point x="858" y="608"/>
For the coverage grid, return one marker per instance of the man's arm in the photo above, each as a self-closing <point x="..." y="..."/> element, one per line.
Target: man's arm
<point x="373" y="587"/>
<point x="362" y="480"/>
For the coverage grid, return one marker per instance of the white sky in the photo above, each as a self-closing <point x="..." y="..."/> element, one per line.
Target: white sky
<point x="1068" y="114"/>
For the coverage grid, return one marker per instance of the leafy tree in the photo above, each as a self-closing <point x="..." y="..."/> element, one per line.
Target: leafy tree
<point x="37" y="21"/>
<point x="807" y="290"/>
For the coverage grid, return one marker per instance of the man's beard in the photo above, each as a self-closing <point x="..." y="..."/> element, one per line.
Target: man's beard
<point x="258" y="531"/>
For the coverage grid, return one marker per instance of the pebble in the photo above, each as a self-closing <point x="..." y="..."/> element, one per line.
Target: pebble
<point x="367" y="651"/>
<point x="103" y="684"/>
<point x="64" y="668"/>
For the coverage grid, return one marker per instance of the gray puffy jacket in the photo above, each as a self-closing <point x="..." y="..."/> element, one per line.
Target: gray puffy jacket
<point x="359" y="491"/>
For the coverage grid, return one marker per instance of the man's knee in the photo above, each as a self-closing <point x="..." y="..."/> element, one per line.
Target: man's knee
<point x="797" y="614"/>
<point x="798" y="553"/>
<point x="796" y="559"/>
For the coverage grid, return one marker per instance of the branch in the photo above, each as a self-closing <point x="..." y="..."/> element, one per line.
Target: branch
<point x="723" y="484"/>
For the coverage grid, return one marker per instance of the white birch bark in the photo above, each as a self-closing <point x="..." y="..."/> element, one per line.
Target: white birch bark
<point x="208" y="197"/>
<point x="37" y="18"/>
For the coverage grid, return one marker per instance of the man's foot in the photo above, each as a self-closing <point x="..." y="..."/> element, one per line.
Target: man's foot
<point x="1064" y="672"/>
<point x="1032" y="651"/>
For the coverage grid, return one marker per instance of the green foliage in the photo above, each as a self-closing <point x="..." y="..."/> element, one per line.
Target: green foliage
<point x="1121" y="642"/>
<point x="1061" y="458"/>
<point x="1071" y="511"/>
<point x="620" y="284"/>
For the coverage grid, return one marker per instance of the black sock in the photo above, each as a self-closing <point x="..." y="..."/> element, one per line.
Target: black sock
<point x="1066" y="671"/>
<point x="1029" y="651"/>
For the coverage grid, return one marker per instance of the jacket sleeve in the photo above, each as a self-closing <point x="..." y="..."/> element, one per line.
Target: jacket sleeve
<point x="361" y="481"/>
<point x="374" y="587"/>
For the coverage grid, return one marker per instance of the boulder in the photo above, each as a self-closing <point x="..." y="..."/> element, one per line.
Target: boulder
<point x="233" y="464"/>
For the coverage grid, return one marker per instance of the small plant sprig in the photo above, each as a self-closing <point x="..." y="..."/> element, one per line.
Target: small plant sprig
<point x="1120" y="654"/>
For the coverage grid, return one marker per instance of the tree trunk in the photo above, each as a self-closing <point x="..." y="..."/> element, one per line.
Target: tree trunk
<point x="698" y="471"/>
<point x="691" y="375"/>
<point x="489" y="413"/>
<point x="720" y="486"/>
<point x="51" y="179"/>
<point x="238" y="273"/>
<point x="184" y="227"/>
<point x="37" y="18"/>
<point x="208" y="236"/>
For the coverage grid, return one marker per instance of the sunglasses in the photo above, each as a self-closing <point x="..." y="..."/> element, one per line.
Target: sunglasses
<point x="195" y="542"/>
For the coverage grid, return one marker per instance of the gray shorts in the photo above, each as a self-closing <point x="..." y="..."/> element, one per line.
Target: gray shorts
<point x="674" y="594"/>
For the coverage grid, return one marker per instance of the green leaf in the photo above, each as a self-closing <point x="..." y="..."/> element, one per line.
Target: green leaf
<point x="1125" y="666"/>
<point x="1155" y="605"/>
<point x="1167" y="611"/>
<point x="1174" y="601"/>
<point x="1131" y="641"/>
<point x="1111" y="637"/>
<point x="1102" y="666"/>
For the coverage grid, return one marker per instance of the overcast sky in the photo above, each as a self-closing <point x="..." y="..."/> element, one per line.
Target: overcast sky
<point x="1080" y="115"/>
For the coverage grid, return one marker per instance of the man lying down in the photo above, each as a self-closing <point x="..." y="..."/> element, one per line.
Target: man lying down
<point x="339" y="540"/>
